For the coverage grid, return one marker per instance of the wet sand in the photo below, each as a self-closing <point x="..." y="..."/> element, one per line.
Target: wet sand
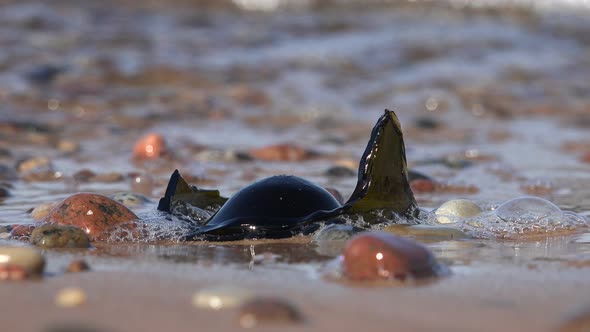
<point x="486" y="298"/>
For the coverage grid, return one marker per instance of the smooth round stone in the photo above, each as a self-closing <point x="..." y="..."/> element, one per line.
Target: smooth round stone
<point x="131" y="200"/>
<point x="28" y="258"/>
<point x="95" y="214"/>
<point x="57" y="236"/>
<point x="217" y="298"/>
<point x="70" y="297"/>
<point x="453" y="210"/>
<point x="150" y="146"/>
<point x="440" y="233"/>
<point x="527" y="209"/>
<point x="377" y="256"/>
<point x="268" y="311"/>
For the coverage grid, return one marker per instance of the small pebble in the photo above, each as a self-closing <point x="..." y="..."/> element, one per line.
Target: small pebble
<point x="453" y="210"/>
<point x="77" y="266"/>
<point x="10" y="272"/>
<point x="374" y="256"/>
<point x="151" y="146"/>
<point x="217" y="298"/>
<point x="268" y="311"/>
<point x="28" y="258"/>
<point x="58" y="236"/>
<point x="34" y="165"/>
<point x="84" y="175"/>
<point x="70" y="297"/>
<point x="95" y="214"/>
<point x="111" y="177"/>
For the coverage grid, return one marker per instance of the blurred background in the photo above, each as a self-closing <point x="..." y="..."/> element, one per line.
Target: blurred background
<point x="110" y="96"/>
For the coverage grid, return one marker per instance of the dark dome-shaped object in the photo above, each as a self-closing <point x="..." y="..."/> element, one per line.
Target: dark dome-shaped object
<point x="283" y="206"/>
<point x="273" y="204"/>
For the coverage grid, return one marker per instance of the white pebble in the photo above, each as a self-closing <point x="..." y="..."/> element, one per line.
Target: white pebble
<point x="70" y="297"/>
<point x="452" y="210"/>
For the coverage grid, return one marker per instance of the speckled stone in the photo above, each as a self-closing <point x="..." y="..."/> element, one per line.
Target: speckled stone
<point x="28" y="258"/>
<point x="95" y="214"/>
<point x="439" y="233"/>
<point x="268" y="311"/>
<point x="58" y="236"/>
<point x="453" y="210"/>
<point x="374" y="256"/>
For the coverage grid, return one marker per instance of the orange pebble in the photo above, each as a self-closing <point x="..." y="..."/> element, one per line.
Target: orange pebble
<point x="149" y="147"/>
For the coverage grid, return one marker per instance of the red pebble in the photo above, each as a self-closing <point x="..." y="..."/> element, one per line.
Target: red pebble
<point x="422" y="186"/>
<point x="585" y="157"/>
<point x="150" y="146"/>
<point x="376" y="256"/>
<point x="97" y="215"/>
<point x="13" y="272"/>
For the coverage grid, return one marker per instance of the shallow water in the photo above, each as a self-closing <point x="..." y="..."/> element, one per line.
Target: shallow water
<point x="495" y="104"/>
